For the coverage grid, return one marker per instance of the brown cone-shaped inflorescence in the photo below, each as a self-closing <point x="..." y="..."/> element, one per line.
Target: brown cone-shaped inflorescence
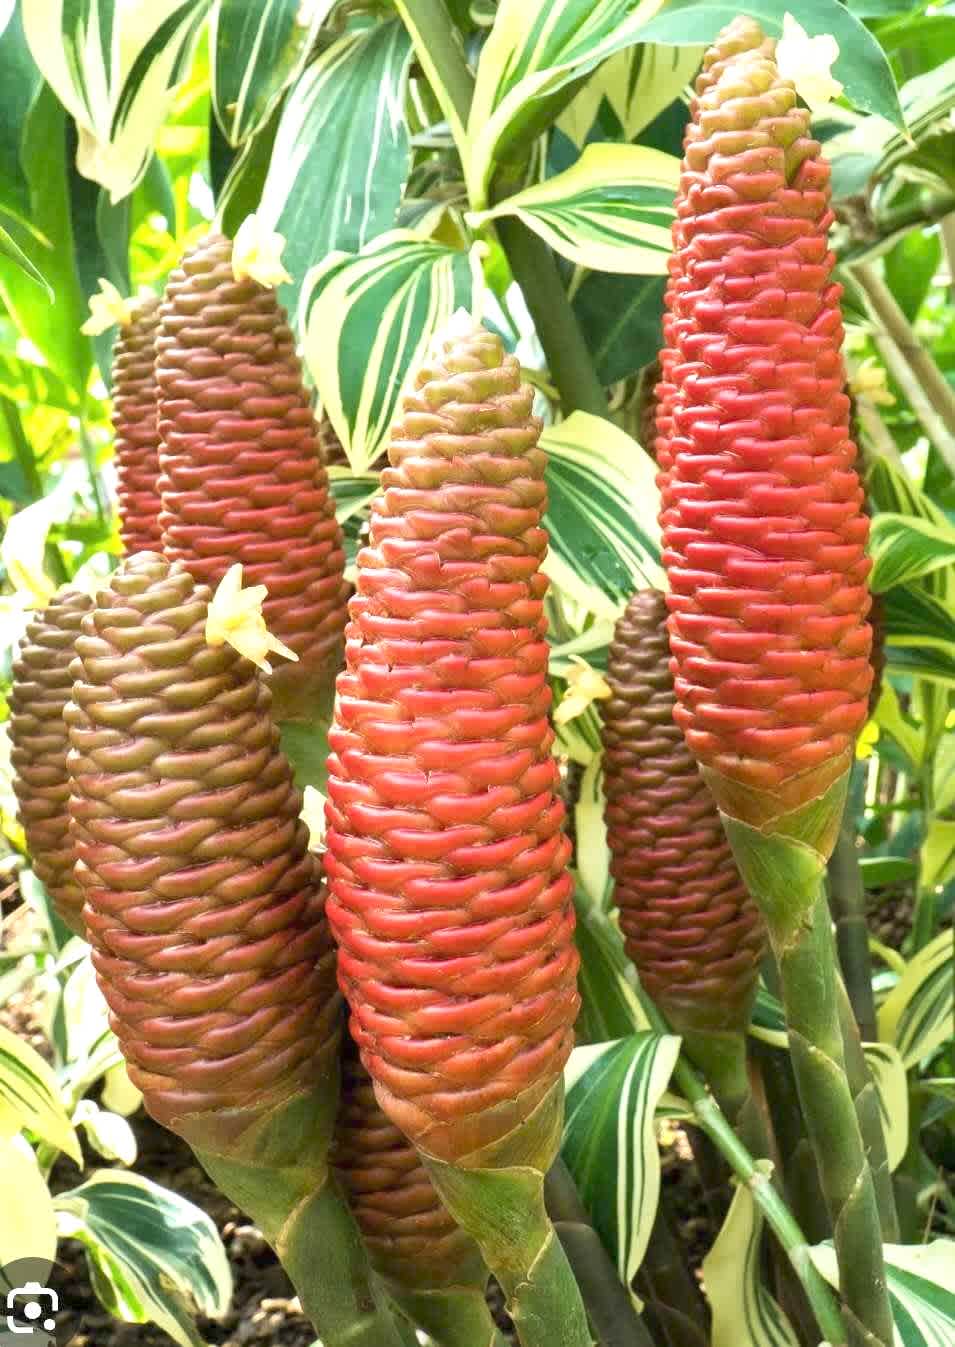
<point x="42" y="684"/>
<point x="242" y="473"/>
<point x="409" y="1234"/>
<point x="764" y="533"/>
<point x="204" y="906"/>
<point x="136" y="428"/>
<point x="690" y="927"/>
<point x="449" y="892"/>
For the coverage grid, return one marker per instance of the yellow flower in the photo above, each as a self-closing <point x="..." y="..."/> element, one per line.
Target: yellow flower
<point x="584" y="685"/>
<point x="107" y="309"/>
<point x="869" y="380"/>
<point x="313" y="814"/>
<point x="235" y="615"/>
<point x="257" y="252"/>
<point x="865" y="744"/>
<point x="807" y="61"/>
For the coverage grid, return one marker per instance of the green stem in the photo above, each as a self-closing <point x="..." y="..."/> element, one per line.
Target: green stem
<point x="800" y="1176"/>
<point x="778" y="1216"/>
<point x="925" y="915"/>
<point x="22" y="451"/>
<point x="609" y="1305"/>
<point x="317" y="1240"/>
<point x="438" y="48"/>
<point x="451" y="1317"/>
<point x="847" y="903"/>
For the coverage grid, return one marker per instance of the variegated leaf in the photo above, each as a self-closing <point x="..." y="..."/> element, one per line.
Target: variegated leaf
<point x="888" y="1076"/>
<point x="601" y="513"/>
<point x="368" y="320"/>
<point x="894" y="492"/>
<point x="610" y="1144"/>
<point x="637" y="83"/>
<point x="341" y="152"/>
<point x="921" y="1281"/>
<point x="114" y="67"/>
<point x="590" y="829"/>
<point x="30" y="1096"/>
<point x="611" y="211"/>
<point x="744" y="1313"/>
<point x="29" y="1221"/>
<point x="904" y="548"/>
<point x="257" y="52"/>
<point x="609" y="1004"/>
<point x="916" y="1016"/>
<point x="920" y="633"/>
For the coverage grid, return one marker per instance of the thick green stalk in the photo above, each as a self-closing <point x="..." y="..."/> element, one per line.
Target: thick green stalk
<point x="749" y="1171"/>
<point x="317" y="1241"/>
<point x="847" y="902"/>
<point x="925" y="915"/>
<point x="609" y="1305"/>
<point x="451" y="1317"/>
<point x="438" y="48"/>
<point x="798" y="1164"/>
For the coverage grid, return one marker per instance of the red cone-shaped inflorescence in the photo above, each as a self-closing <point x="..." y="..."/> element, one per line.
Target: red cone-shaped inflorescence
<point x="242" y="473"/>
<point x="692" y="930"/>
<point x="764" y="532"/>
<point x="42" y="684"/>
<point x="449" y="893"/>
<point x="411" y="1238"/>
<point x="203" y="904"/>
<point x="136" y="429"/>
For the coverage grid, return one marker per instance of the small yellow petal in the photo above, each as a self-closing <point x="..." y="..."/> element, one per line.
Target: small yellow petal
<point x="108" y="309"/>
<point x="868" y="738"/>
<point x="313" y="814"/>
<point x="869" y="380"/>
<point x="807" y="61"/>
<point x="584" y="685"/>
<point x="235" y="616"/>
<point x="257" y="253"/>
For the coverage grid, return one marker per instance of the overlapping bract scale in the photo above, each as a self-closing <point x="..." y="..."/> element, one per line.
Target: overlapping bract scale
<point x="764" y="533"/>
<point x="690" y="927"/>
<point x="203" y="904"/>
<point x="449" y="893"/>
<point x="136" y="428"/>
<point x="242" y="474"/>
<point x="42" y="684"/>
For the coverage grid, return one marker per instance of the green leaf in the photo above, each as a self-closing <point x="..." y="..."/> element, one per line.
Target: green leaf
<point x="341" y="154"/>
<point x="938" y="853"/>
<point x="861" y="65"/>
<point x="114" y="67"/>
<point x="880" y="871"/>
<point x="258" y="51"/>
<point x="611" y="211"/>
<point x="353" y="492"/>
<point x="916" y="1016"/>
<point x="920" y="635"/>
<point x="10" y="248"/>
<point x="368" y="320"/>
<point x="768" y="1019"/>
<point x="892" y="720"/>
<point x="905" y="549"/>
<point x="153" y="1256"/>
<point x="910" y="268"/>
<point x="20" y="81"/>
<point x="638" y="84"/>
<point x="30" y="1097"/>
<point x="921" y="1281"/>
<point x="943" y="779"/>
<point x="621" y="319"/>
<point x="610" y="1143"/>
<point x="590" y="830"/>
<point x="29" y="1221"/>
<point x="892" y="1088"/>
<point x="893" y="491"/>
<point x="609" y="1005"/>
<point x="744" y="1313"/>
<point x="601" y="513"/>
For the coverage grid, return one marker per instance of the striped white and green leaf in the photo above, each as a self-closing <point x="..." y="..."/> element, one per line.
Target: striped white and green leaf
<point x="893" y="721"/>
<point x="353" y="492"/>
<point x="590" y="829"/>
<point x="904" y="548"/>
<point x="30" y="1097"/>
<point x="114" y="67"/>
<point x="920" y="633"/>
<point x="257" y="52"/>
<point x="610" y="211"/>
<point x="609" y="1004"/>
<point x="601" y="513"/>
<point x="637" y="83"/>
<point x="29" y="1221"/>
<point x="916" y="1016"/>
<point x="537" y="48"/>
<point x="894" y="493"/>
<point x="921" y="1280"/>
<point x="341" y="153"/>
<point x="153" y="1256"/>
<point x="610" y="1144"/>
<point x="368" y="320"/>
<point x="744" y="1313"/>
<point x="891" y="1085"/>
<point x="938" y="853"/>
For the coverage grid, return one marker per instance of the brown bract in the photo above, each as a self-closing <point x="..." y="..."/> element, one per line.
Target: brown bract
<point x="136" y="429"/>
<point x="203" y="904"/>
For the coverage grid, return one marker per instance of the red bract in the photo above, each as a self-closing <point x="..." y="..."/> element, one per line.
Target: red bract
<point x="242" y="475"/>
<point x="136" y="428"/>
<point x="764" y="533"/>
<point x="449" y="893"/>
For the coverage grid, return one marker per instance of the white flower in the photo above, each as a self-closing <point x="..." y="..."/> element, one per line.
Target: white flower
<point x="235" y="616"/>
<point x="107" y="309"/>
<point x="584" y="685"/>
<point x="257" y="252"/>
<point x="807" y="61"/>
<point x="313" y="814"/>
